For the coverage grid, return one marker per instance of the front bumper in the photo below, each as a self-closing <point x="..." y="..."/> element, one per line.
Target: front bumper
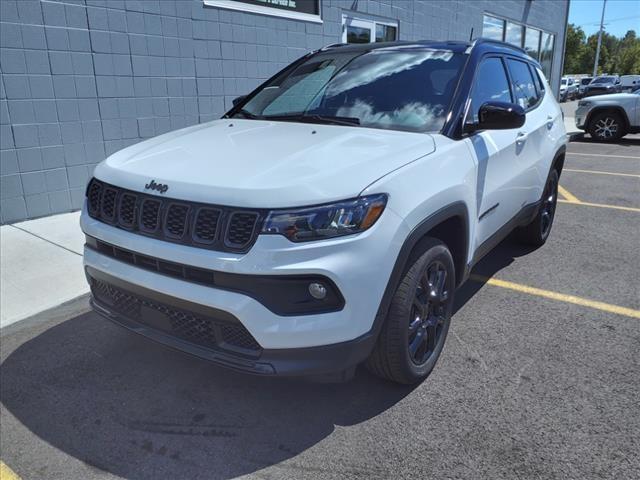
<point x="212" y="334"/>
<point x="359" y="266"/>
<point x="581" y="117"/>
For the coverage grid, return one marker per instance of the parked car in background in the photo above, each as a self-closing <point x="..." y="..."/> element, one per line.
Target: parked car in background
<point x="584" y="81"/>
<point x="629" y="83"/>
<point x="568" y="89"/>
<point x="603" y="84"/>
<point x="610" y="117"/>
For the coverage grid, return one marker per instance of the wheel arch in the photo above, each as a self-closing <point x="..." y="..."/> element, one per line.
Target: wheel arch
<point x="449" y="224"/>
<point x="608" y="108"/>
<point x="558" y="160"/>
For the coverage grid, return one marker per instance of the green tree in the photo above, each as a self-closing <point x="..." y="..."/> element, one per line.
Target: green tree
<point x="617" y="55"/>
<point x="574" y="49"/>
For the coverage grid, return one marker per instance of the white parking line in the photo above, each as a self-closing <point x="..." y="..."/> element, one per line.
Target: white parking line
<point x="601" y="173"/>
<point x="602" y="155"/>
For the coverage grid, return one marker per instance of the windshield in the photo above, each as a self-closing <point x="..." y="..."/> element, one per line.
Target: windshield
<point x="604" y="80"/>
<point x="585" y="81"/>
<point x="563" y="81"/>
<point x="403" y="89"/>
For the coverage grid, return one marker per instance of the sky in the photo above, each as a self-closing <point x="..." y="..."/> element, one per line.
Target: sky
<point x="619" y="16"/>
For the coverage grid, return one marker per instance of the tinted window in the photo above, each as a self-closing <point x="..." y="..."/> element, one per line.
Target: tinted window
<point x="490" y="84"/>
<point x="524" y="86"/>
<point x="604" y="80"/>
<point x="408" y="89"/>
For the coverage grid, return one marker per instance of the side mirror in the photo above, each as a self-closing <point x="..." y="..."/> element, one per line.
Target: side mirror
<point x="238" y="100"/>
<point x="498" y="116"/>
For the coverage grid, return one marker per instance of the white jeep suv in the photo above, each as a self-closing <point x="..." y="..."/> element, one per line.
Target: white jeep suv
<point x="328" y="218"/>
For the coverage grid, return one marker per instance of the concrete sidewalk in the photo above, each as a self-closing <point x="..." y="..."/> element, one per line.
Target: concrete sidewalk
<point x="41" y="265"/>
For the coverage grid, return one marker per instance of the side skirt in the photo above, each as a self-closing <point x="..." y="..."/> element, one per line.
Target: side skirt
<point x="523" y="217"/>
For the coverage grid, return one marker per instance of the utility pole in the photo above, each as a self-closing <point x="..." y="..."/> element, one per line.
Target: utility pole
<point x="595" y="65"/>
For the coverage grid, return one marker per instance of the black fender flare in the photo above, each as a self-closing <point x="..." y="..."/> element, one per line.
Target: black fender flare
<point x="456" y="209"/>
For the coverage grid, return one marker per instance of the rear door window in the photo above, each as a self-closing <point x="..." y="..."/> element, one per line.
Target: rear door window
<point x="523" y="83"/>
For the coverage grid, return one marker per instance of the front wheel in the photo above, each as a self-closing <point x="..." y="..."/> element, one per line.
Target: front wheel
<point x="417" y="323"/>
<point x="537" y="232"/>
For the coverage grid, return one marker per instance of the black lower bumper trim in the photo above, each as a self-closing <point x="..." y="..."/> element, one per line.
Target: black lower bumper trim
<point x="319" y="360"/>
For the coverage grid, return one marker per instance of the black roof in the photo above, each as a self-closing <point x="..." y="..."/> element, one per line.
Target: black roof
<point x="485" y="44"/>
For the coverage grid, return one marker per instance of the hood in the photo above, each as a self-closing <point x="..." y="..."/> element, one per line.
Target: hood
<point x="263" y="164"/>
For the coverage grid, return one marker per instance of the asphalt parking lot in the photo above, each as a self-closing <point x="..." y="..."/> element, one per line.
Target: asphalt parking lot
<point x="539" y="377"/>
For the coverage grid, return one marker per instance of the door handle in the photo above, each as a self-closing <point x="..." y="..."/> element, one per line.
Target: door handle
<point x="521" y="137"/>
<point x="550" y="122"/>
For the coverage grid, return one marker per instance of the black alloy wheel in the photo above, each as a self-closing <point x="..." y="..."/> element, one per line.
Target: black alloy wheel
<point x="415" y="329"/>
<point x="537" y="231"/>
<point x="428" y="313"/>
<point x="548" y="207"/>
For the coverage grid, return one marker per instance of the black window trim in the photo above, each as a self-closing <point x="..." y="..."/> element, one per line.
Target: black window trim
<point x="534" y="76"/>
<point x="484" y="57"/>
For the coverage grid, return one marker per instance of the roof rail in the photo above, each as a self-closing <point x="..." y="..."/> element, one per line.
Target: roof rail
<point x="333" y="45"/>
<point x="483" y="40"/>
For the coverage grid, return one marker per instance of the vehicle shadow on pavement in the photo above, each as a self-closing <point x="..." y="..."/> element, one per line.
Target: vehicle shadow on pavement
<point x="126" y="405"/>
<point x="500" y="257"/>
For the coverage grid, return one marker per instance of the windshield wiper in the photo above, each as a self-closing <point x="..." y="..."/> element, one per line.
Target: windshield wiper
<point x="315" y="118"/>
<point x="249" y="115"/>
<point x="350" y="121"/>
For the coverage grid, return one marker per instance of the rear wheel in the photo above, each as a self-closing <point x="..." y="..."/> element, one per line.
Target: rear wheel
<point x="416" y="326"/>
<point x="607" y="127"/>
<point x="537" y="232"/>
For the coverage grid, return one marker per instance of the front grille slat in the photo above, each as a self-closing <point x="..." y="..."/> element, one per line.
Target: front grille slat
<point x="189" y="326"/>
<point x="127" y="210"/>
<point x="241" y="229"/>
<point x="108" y="204"/>
<point x="175" y="221"/>
<point x="206" y="225"/>
<point x="150" y="215"/>
<point x="200" y="225"/>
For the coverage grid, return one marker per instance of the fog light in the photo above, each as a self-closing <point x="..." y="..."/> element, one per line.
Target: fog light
<point x="317" y="290"/>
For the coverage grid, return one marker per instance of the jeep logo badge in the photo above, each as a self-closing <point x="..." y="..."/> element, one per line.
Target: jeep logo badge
<point x="159" y="187"/>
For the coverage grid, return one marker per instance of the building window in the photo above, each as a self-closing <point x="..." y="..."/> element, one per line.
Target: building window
<point x="493" y="28"/>
<point x="537" y="43"/>
<point x="532" y="42"/>
<point x="546" y="53"/>
<point x="362" y="30"/>
<point x="307" y="10"/>
<point x="513" y="34"/>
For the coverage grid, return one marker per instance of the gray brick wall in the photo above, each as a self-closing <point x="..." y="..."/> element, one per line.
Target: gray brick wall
<point x="81" y="79"/>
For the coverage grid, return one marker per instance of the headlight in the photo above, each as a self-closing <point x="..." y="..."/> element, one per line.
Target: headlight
<point x="584" y="103"/>
<point x="326" y="221"/>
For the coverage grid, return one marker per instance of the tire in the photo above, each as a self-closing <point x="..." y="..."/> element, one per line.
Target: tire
<point x="415" y="330"/>
<point x="537" y="232"/>
<point x="607" y="127"/>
